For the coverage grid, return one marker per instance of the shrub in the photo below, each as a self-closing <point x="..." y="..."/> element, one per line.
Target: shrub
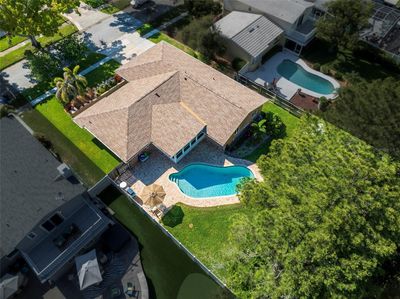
<point x="71" y="49"/>
<point x="274" y="126"/>
<point x="42" y="64"/>
<point x="94" y="3"/>
<point x="325" y="69"/>
<point x="339" y="76"/>
<point x="199" y="8"/>
<point x="317" y="66"/>
<point x="323" y="103"/>
<point x="238" y="63"/>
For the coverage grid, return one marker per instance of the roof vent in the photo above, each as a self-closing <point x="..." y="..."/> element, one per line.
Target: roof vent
<point x="64" y="171"/>
<point x="157" y="95"/>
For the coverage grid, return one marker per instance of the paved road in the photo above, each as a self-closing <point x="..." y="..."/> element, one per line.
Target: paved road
<point x="114" y="35"/>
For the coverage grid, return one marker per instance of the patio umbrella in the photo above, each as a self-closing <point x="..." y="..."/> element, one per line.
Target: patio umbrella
<point x="153" y="195"/>
<point x="88" y="269"/>
<point x="8" y="286"/>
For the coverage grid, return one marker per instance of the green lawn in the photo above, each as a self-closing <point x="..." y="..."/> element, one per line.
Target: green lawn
<point x="86" y="169"/>
<point x="59" y="120"/>
<point x="204" y="231"/>
<point x="19" y="53"/>
<point x="166" y="265"/>
<point x="6" y="43"/>
<point x="288" y="119"/>
<point x="162" y="36"/>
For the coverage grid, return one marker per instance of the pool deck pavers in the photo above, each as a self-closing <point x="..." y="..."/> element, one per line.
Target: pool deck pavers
<point x="158" y="168"/>
<point x="267" y="72"/>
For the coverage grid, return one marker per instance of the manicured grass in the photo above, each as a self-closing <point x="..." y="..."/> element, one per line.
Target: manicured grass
<point x="166" y="266"/>
<point x="102" y="73"/>
<point x="204" y="231"/>
<point x="120" y="4"/>
<point x="19" y="54"/>
<point x="94" y="150"/>
<point x="162" y="36"/>
<point x="82" y="139"/>
<point x="82" y="165"/>
<point x="43" y="86"/>
<point x="287" y="118"/>
<point x="6" y="43"/>
<point x="110" y="9"/>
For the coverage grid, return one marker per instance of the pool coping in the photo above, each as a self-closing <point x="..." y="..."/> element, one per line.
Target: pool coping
<point x="211" y="197"/>
<point x="267" y="72"/>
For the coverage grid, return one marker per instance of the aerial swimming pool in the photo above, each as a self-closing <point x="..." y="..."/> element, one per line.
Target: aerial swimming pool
<point x="295" y="73"/>
<point x="204" y="180"/>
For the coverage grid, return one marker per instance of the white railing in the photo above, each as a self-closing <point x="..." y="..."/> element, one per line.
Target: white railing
<point x="299" y="37"/>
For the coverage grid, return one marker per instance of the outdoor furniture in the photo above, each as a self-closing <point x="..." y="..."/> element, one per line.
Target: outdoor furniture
<point x="130" y="191"/>
<point x="88" y="269"/>
<point x="130" y="290"/>
<point x="115" y="292"/>
<point x="123" y="185"/>
<point x="143" y="157"/>
<point x="159" y="211"/>
<point x="153" y="195"/>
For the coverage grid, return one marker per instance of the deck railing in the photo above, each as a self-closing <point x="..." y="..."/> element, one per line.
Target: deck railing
<point x="277" y="99"/>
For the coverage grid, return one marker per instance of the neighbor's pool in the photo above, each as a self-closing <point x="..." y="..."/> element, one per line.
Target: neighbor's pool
<point x="203" y="180"/>
<point x="298" y="75"/>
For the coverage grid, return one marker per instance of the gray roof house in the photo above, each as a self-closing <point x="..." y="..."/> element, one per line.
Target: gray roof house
<point x="295" y="17"/>
<point x="46" y="216"/>
<point x="249" y="36"/>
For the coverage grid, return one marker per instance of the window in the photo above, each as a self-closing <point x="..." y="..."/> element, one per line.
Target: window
<point x="179" y="154"/>
<point x="201" y="134"/>
<point x="186" y="147"/>
<point x="193" y="141"/>
<point x="56" y="219"/>
<point x="12" y="254"/>
<point x="31" y="235"/>
<point x="48" y="226"/>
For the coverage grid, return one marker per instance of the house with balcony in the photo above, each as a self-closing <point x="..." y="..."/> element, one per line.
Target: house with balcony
<point x="47" y="217"/>
<point x="295" y="17"/>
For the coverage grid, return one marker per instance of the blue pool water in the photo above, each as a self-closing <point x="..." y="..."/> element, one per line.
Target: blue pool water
<point x="298" y="75"/>
<point x="203" y="180"/>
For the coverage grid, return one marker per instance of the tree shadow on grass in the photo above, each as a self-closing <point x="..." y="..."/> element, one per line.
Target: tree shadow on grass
<point x="174" y="217"/>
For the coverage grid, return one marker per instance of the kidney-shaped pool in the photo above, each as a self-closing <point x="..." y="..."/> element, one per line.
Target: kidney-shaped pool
<point x="298" y="75"/>
<point x="204" y="180"/>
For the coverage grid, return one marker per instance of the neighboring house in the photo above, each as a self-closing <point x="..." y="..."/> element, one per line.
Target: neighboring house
<point x="46" y="216"/>
<point x="296" y="17"/>
<point x="172" y="101"/>
<point x="249" y="36"/>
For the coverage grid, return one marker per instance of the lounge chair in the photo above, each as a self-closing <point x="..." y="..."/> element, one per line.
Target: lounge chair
<point x="130" y="290"/>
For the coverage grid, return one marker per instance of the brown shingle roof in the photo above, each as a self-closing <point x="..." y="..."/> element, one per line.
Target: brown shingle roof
<point x="173" y="126"/>
<point x="168" y="100"/>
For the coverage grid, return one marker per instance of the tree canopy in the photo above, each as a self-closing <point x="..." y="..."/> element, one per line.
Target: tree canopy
<point x="31" y="18"/>
<point x="326" y="218"/>
<point x="343" y="22"/>
<point x="370" y="111"/>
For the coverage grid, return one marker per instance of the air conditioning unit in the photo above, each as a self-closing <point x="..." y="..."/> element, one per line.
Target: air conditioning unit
<point x="64" y="170"/>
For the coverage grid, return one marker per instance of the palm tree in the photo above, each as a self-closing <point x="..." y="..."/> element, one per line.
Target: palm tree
<point x="71" y="85"/>
<point x="66" y="91"/>
<point x="80" y="82"/>
<point x="258" y="129"/>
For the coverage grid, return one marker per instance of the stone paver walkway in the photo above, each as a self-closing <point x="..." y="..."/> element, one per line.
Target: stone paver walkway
<point x="158" y="168"/>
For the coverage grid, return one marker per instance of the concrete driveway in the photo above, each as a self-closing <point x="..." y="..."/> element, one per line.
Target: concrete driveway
<point x="152" y="9"/>
<point x="113" y="36"/>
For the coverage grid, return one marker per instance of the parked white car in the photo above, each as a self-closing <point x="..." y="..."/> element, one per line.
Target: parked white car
<point x="138" y="3"/>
